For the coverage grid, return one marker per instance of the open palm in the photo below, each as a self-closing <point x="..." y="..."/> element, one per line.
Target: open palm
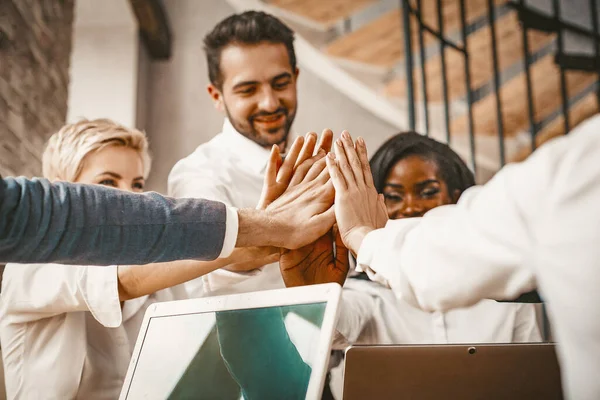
<point x="316" y="262"/>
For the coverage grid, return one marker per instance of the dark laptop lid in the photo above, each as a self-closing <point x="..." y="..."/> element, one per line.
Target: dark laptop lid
<point x="480" y="371"/>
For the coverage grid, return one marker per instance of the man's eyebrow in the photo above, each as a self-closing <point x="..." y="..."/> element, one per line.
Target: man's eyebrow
<point x="250" y="83"/>
<point x="280" y="76"/>
<point x="244" y="83"/>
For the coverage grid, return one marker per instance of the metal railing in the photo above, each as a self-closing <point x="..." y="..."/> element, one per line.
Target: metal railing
<point x="412" y="13"/>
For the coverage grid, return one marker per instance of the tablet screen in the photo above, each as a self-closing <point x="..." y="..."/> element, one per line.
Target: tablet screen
<point x="257" y="353"/>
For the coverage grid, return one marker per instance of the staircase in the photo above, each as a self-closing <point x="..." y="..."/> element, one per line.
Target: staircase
<point x="512" y="111"/>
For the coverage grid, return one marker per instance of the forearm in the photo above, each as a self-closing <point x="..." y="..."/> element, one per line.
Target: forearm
<point x="140" y="280"/>
<point x="80" y="224"/>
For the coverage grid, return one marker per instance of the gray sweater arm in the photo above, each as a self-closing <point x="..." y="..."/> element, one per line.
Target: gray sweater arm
<point x="94" y="225"/>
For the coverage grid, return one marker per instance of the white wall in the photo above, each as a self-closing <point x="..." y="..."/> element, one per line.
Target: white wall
<point x="143" y="87"/>
<point x="104" y="62"/>
<point x="181" y="115"/>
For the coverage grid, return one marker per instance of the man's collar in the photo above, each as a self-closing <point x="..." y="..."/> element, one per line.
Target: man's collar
<point x="253" y="155"/>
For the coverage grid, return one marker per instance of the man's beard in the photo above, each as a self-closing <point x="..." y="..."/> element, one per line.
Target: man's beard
<point x="247" y="128"/>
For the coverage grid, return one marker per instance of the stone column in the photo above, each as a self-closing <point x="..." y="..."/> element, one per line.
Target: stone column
<point x="35" y="47"/>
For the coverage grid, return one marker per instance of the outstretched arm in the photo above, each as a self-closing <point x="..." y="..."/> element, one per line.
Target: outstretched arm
<point x="139" y="280"/>
<point x="82" y="224"/>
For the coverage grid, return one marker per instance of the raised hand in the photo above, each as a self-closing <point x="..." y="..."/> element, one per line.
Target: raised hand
<point x="358" y="207"/>
<point x="281" y="173"/>
<point x="277" y="178"/>
<point x="305" y="211"/>
<point x="295" y="187"/>
<point x="316" y="262"/>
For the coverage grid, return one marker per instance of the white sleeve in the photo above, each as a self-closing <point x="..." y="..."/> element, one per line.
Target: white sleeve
<point x="34" y="292"/>
<point x="356" y="309"/>
<point x="526" y="325"/>
<point x="492" y="242"/>
<point x="231" y="232"/>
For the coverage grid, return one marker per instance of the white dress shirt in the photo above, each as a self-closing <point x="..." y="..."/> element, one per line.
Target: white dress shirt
<point x="535" y="224"/>
<point x="371" y="314"/>
<point x="229" y="168"/>
<point x="63" y="333"/>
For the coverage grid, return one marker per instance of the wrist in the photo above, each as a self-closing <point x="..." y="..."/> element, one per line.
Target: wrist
<point x="256" y="228"/>
<point x="355" y="237"/>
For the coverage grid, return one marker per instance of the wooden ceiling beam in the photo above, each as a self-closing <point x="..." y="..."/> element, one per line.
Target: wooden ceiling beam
<point x="154" y="27"/>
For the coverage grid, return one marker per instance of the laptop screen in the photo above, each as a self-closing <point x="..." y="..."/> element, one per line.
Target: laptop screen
<point x="235" y="354"/>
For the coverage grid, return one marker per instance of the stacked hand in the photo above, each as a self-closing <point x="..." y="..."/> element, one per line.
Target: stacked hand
<point x="297" y="199"/>
<point x="359" y="209"/>
<point x="319" y="261"/>
<point x="302" y="187"/>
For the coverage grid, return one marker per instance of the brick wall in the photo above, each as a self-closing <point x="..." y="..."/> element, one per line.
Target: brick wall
<point x="35" y="44"/>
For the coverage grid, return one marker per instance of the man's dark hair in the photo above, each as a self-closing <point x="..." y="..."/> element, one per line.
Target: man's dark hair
<point x="451" y="167"/>
<point x="248" y="28"/>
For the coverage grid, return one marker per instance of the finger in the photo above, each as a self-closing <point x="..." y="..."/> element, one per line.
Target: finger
<point x="306" y="168"/>
<point x="322" y="223"/>
<point x="245" y="266"/>
<point x="272" y="167"/>
<point x="317" y="226"/>
<point x="265" y="251"/>
<point x="382" y="211"/>
<point x="361" y="149"/>
<point x="322" y="178"/>
<point x="326" y="140"/>
<point x="381" y="203"/>
<point x="287" y="168"/>
<point x="342" y="162"/>
<point x="272" y="258"/>
<point x="316" y="170"/>
<point x="338" y="180"/>
<point x="352" y="156"/>
<point x="270" y="178"/>
<point x="308" y="149"/>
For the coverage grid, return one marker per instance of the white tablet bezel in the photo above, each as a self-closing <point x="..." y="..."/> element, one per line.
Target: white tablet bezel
<point x="329" y="293"/>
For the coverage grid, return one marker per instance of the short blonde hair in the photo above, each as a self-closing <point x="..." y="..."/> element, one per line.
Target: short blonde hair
<point x="67" y="148"/>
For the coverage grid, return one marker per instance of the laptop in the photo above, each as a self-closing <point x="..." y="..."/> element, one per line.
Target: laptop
<point x="479" y="371"/>
<point x="264" y="345"/>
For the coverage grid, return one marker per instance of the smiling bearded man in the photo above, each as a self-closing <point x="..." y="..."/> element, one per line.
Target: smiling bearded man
<point x="252" y="72"/>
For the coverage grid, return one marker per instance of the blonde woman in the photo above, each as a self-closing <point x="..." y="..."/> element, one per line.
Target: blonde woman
<point x="68" y="332"/>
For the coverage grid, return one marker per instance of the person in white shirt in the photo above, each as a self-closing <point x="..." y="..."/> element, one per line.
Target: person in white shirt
<point x="253" y="73"/>
<point x="534" y="225"/>
<point x="416" y="174"/>
<point x="68" y="331"/>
